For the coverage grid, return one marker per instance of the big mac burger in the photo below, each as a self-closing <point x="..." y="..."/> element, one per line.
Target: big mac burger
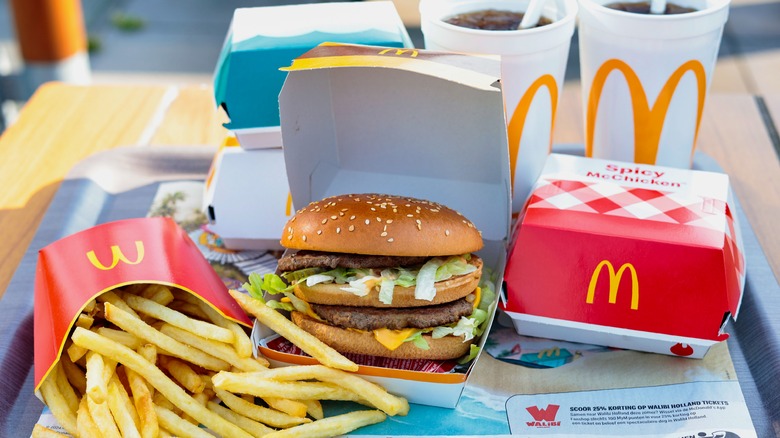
<point x="384" y="275"/>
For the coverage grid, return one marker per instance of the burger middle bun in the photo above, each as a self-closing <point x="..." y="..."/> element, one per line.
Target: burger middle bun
<point x="446" y="291"/>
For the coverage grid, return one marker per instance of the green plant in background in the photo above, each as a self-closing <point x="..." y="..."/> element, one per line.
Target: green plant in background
<point x="127" y="22"/>
<point x="94" y="44"/>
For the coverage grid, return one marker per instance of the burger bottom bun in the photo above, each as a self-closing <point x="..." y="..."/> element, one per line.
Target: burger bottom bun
<point x="359" y="342"/>
<point x="448" y="290"/>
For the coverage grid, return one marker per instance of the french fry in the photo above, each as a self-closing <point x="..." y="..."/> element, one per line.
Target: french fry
<point x="255" y="384"/>
<point x="85" y="321"/>
<point x="185" y="375"/>
<point x="262" y="414"/>
<point x="119" y="410"/>
<point x="286" y="328"/>
<point x="242" y="343"/>
<point x="129" y="340"/>
<point x="90" y="307"/>
<point x="201" y="328"/>
<point x="256" y="429"/>
<point x="172" y="346"/>
<point x="116" y="300"/>
<point x="148" y="352"/>
<point x="84" y="423"/>
<point x="314" y="409"/>
<point x="75" y="353"/>
<point x="177" y="426"/>
<point x="201" y="398"/>
<point x="159" y="400"/>
<point x="74" y="374"/>
<point x="160" y="381"/>
<point x="296" y="408"/>
<point x="97" y="387"/>
<point x="224" y="351"/>
<point x="158" y="293"/>
<point x="373" y="393"/>
<point x="66" y="390"/>
<point x="142" y="400"/>
<point x="101" y="415"/>
<point x="124" y="396"/>
<point x="44" y="432"/>
<point x="331" y="426"/>
<point x="188" y="309"/>
<point x="57" y="404"/>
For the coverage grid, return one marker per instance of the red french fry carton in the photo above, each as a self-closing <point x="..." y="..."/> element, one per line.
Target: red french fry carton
<point x="626" y="255"/>
<point x="74" y="270"/>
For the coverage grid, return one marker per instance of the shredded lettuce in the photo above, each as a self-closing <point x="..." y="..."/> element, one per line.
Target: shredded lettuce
<point x="426" y="279"/>
<point x="454" y="266"/>
<point x="473" y="351"/>
<point x="318" y="278"/>
<point x="361" y="286"/>
<point x="270" y="283"/>
<point x="418" y="340"/>
<point x="386" y="287"/>
<point x="278" y="305"/>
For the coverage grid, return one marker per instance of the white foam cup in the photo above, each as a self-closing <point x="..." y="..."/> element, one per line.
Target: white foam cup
<point x="645" y="78"/>
<point x="533" y="63"/>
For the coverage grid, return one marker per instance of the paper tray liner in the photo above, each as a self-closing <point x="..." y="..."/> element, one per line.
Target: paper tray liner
<point x="277" y="348"/>
<point x="76" y="269"/>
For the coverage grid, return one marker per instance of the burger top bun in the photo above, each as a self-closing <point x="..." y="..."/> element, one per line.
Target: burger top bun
<point x="378" y="224"/>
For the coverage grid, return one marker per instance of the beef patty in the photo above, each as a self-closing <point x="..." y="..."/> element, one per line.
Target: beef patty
<point x="371" y="318"/>
<point x="330" y="260"/>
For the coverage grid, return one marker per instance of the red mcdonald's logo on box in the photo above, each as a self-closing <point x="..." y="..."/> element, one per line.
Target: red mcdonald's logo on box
<point x="614" y="283"/>
<point x="648" y="122"/>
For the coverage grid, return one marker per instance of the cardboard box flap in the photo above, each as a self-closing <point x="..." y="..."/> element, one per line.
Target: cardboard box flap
<point x="473" y="71"/>
<point x="349" y="126"/>
<point x="247" y="79"/>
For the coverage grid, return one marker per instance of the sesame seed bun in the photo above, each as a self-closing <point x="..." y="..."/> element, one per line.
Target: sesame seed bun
<point x="363" y="342"/>
<point x="381" y="224"/>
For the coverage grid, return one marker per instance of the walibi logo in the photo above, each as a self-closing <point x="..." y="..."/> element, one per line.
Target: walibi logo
<point x="543" y="418"/>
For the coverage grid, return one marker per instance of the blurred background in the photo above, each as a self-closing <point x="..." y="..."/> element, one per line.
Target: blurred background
<point x="178" y="42"/>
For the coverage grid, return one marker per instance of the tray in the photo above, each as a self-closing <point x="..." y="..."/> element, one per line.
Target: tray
<point x="121" y="184"/>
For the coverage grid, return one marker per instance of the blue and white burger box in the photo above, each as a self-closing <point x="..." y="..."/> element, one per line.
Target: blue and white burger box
<point x="261" y="40"/>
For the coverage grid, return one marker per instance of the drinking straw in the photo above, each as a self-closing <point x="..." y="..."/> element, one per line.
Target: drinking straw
<point x="657" y="6"/>
<point x="532" y="15"/>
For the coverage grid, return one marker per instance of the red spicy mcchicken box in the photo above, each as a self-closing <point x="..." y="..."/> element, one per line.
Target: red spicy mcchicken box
<point x="74" y="270"/>
<point x="626" y="255"/>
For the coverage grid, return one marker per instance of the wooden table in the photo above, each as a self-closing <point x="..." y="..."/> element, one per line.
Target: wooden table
<point x="63" y="124"/>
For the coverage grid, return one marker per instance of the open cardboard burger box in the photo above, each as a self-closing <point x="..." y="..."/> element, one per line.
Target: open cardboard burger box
<point x="74" y="270"/>
<point x="360" y="119"/>
<point x="626" y="255"/>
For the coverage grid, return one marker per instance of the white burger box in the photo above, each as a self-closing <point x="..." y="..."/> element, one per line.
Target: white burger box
<point x="626" y="255"/>
<point x="261" y="40"/>
<point x="358" y="119"/>
<point x="244" y="217"/>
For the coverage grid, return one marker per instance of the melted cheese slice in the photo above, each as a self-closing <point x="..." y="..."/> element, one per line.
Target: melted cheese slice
<point x="393" y="339"/>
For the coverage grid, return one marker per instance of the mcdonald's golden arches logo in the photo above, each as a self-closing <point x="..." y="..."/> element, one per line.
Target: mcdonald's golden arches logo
<point x="517" y="122"/>
<point x="400" y="52"/>
<point x="648" y="122"/>
<point x="117" y="256"/>
<point x="614" y="282"/>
